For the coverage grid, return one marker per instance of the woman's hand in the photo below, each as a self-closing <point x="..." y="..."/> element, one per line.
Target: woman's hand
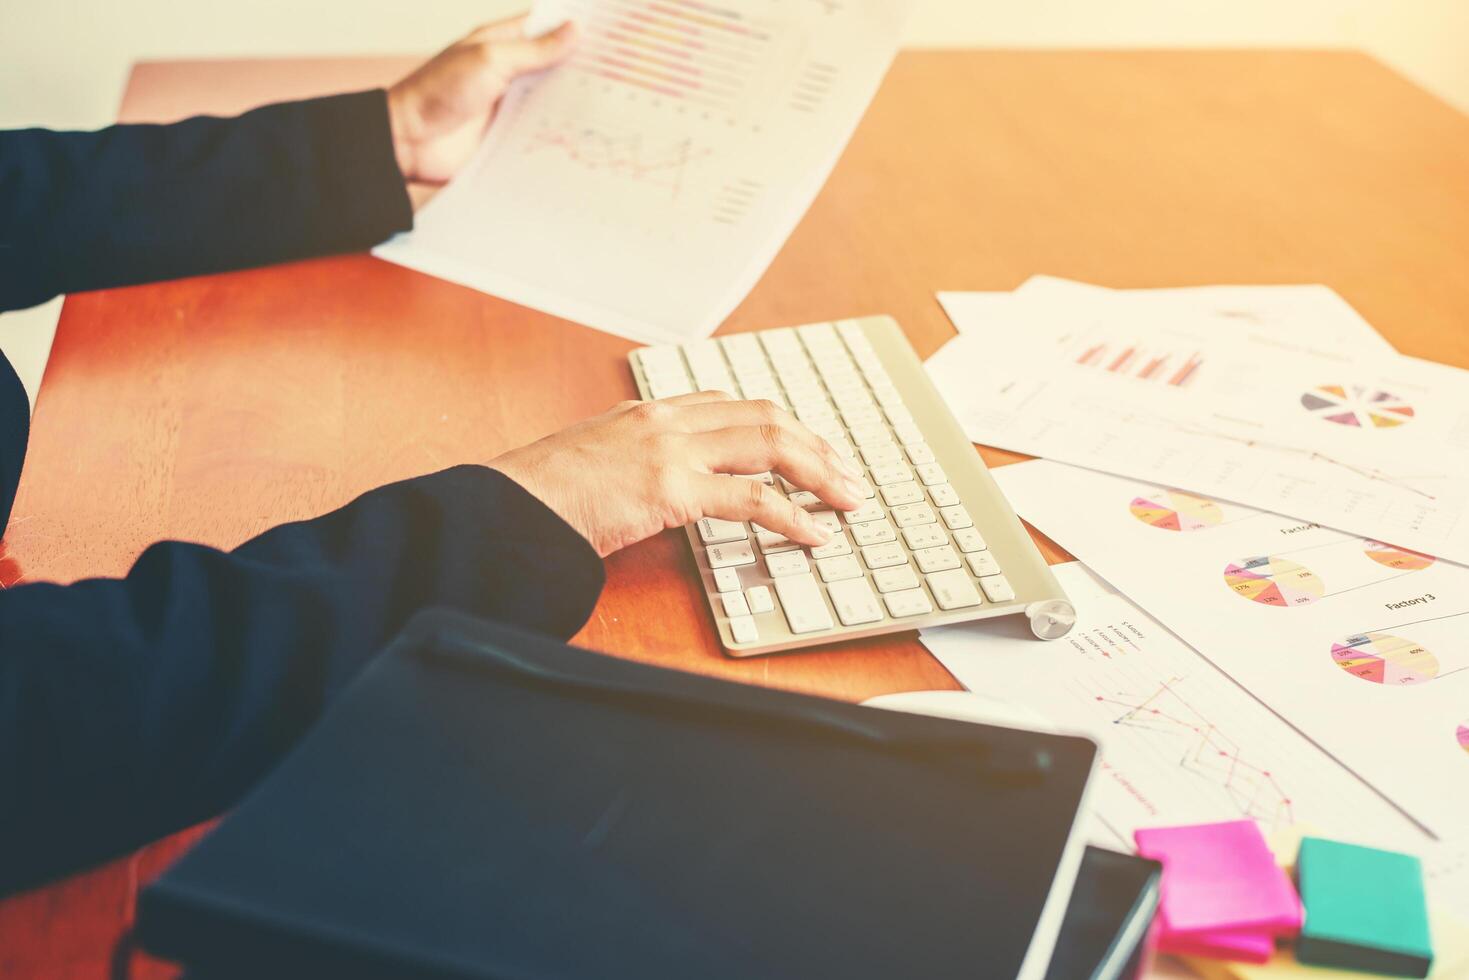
<point x="629" y="473"/>
<point x="440" y="112"/>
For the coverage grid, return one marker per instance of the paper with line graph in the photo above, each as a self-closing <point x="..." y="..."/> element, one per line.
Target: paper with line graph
<point x="1361" y="644"/>
<point x="643" y="186"/>
<point x="1181" y="741"/>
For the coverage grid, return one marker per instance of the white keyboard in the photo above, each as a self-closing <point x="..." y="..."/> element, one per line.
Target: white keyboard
<point x="935" y="541"/>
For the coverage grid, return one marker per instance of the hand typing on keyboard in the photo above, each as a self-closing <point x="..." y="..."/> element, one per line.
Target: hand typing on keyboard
<point x="642" y="467"/>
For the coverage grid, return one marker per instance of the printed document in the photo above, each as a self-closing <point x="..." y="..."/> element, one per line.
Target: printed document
<point x="1361" y="644"/>
<point x="643" y="186"/>
<point x="1281" y="408"/>
<point x="1182" y="742"/>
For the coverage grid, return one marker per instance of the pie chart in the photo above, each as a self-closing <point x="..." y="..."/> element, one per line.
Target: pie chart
<point x="1394" y="557"/>
<point x="1273" y="581"/>
<point x="1174" y="510"/>
<point x="1385" y="659"/>
<point x="1464" y="736"/>
<point x="1357" y="406"/>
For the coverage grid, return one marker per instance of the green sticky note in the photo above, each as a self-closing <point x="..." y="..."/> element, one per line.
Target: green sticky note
<point x="1365" y="909"/>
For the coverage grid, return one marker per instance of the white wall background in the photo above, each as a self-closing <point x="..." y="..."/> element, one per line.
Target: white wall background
<point x="63" y="62"/>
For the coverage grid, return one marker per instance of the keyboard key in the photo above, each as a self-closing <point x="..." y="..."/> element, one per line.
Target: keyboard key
<point x="727" y="579"/>
<point x="887" y="396"/>
<point x="968" y="539"/>
<point x="728" y="555"/>
<point x="663" y="387"/>
<point x="936" y="559"/>
<point x="897" y="414"/>
<point x="943" y="495"/>
<point x="827" y="519"/>
<point x="898" y="494"/>
<point x="871" y="435"/>
<point x="770" y="541"/>
<point x="953" y="589"/>
<point x="874" y="532"/>
<point x="838" y="545"/>
<point x="919" y="453"/>
<point x="734" y="604"/>
<point x="880" y="455"/>
<point x="712" y="530"/>
<point x="870" y="511"/>
<point x="744" y="629"/>
<point x="766" y="478"/>
<point x="895" y="579"/>
<point x="758" y="597"/>
<point x="884" y="555"/>
<point x="838" y="569"/>
<point x="907" y="433"/>
<point x="909" y="515"/>
<point x="956" y="517"/>
<point x="997" y="588"/>
<point x="925" y="536"/>
<point x="805" y="498"/>
<point x="911" y="602"/>
<point x="854" y="602"/>
<point x="787" y="563"/>
<point x="805" y="609"/>
<point x="982" y="563"/>
<point x="886" y="473"/>
<point x="931" y="473"/>
<point x="863" y="415"/>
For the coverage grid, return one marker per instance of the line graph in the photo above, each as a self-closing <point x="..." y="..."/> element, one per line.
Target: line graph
<point x="1205" y="751"/>
<point x="657" y="163"/>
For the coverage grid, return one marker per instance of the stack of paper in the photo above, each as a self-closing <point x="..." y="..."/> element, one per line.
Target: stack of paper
<point x="1270" y="481"/>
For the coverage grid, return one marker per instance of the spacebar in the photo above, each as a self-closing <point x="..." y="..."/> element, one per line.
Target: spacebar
<point x="800" y="596"/>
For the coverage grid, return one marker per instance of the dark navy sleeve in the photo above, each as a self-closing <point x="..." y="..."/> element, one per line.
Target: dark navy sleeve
<point x="139" y="203"/>
<point x="135" y="707"/>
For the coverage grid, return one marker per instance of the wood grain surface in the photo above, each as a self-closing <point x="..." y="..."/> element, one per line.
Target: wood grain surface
<point x="209" y="409"/>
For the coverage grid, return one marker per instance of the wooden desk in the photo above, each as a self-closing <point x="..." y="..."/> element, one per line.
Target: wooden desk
<point x="212" y="408"/>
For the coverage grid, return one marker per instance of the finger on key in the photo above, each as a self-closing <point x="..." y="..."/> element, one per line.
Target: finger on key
<point x="733" y="499"/>
<point x="764" y="415"/>
<point x="802" y="461"/>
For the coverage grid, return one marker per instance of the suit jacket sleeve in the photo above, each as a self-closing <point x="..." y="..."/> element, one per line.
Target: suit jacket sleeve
<point x="138" y="203"/>
<point x="135" y="707"/>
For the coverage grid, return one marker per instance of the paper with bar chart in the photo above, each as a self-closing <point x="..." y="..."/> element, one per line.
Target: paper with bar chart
<point x="1361" y="644"/>
<point x="1181" y="741"/>
<point x="643" y="186"/>
<point x="1283" y="409"/>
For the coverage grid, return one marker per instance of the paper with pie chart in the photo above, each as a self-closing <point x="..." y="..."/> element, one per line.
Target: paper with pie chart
<point x="1181" y="741"/>
<point x="643" y="186"/>
<point x="1297" y="408"/>
<point x="1361" y="644"/>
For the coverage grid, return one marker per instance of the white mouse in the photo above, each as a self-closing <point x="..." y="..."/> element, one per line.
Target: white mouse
<point x="963" y="706"/>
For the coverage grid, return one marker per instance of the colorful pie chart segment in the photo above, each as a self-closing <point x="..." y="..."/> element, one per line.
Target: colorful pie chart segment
<point x="1273" y="581"/>
<point x="1394" y="557"/>
<point x="1357" y="406"/>
<point x="1463" y="735"/>
<point x="1174" y="510"/>
<point x="1385" y="659"/>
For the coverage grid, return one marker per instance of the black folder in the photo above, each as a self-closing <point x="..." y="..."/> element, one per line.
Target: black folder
<point x="483" y="803"/>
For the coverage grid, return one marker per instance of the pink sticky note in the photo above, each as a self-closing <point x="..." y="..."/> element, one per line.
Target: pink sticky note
<point x="1251" y="947"/>
<point x="1220" y="878"/>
